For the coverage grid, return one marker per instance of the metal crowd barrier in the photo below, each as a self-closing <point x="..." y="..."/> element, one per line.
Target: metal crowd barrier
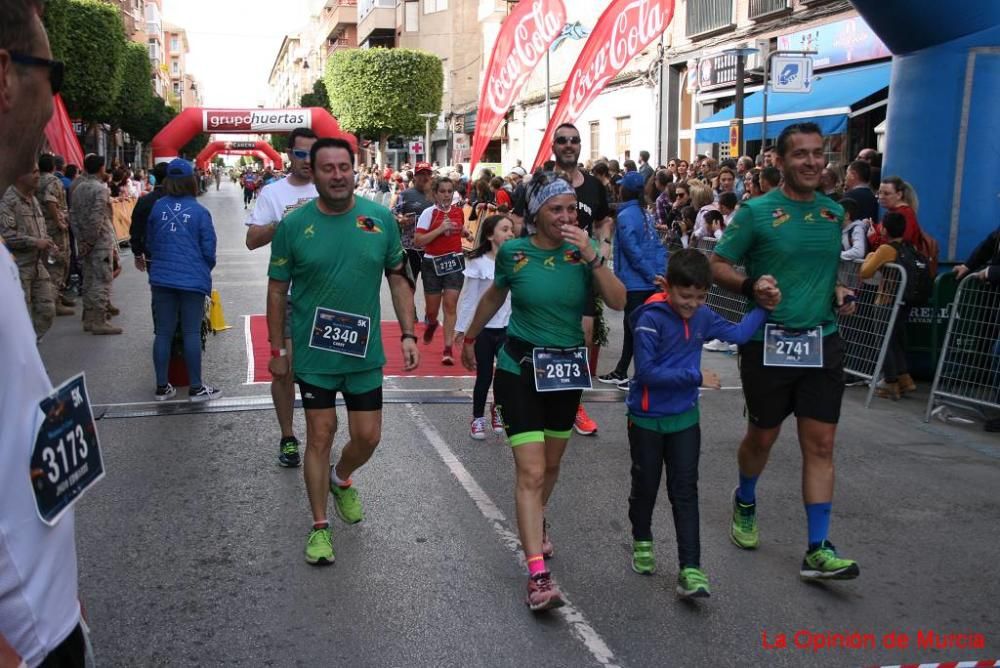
<point x="865" y="334"/>
<point x="968" y="370"/>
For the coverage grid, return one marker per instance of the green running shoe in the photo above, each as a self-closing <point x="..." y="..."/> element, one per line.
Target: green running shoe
<point x="643" y="561"/>
<point x="743" y="531"/>
<point x="692" y="583"/>
<point x="347" y="503"/>
<point x="824" y="564"/>
<point x="319" y="547"/>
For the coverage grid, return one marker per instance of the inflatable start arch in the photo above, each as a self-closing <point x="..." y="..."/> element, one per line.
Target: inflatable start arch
<point x="261" y="148"/>
<point x="168" y="142"/>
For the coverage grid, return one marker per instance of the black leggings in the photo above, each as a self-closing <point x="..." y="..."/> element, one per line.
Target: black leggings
<point x="247" y="196"/>
<point x="487" y="347"/>
<point x="633" y="300"/>
<point x="895" y="355"/>
<point x="679" y="451"/>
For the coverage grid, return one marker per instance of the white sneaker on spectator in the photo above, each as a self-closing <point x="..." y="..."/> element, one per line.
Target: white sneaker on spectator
<point x="716" y="346"/>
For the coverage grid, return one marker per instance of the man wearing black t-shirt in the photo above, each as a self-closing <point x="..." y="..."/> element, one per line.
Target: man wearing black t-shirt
<point x="593" y="215"/>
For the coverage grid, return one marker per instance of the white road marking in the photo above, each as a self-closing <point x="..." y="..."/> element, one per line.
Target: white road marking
<point x="250" y="360"/>
<point x="578" y="624"/>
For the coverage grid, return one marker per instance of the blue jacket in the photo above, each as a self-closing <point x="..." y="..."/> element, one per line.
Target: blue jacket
<point x="668" y="354"/>
<point x="180" y="240"/>
<point x="639" y="256"/>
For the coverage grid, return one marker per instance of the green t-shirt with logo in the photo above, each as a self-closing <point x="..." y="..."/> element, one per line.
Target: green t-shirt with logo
<point x="548" y="292"/>
<point x="335" y="262"/>
<point x="796" y="242"/>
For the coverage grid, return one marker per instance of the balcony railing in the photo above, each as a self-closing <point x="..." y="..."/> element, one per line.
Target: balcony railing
<point x="705" y="16"/>
<point x="763" y="8"/>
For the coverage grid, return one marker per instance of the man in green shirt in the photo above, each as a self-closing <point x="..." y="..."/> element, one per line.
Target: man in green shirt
<point x="789" y="242"/>
<point x="334" y="251"/>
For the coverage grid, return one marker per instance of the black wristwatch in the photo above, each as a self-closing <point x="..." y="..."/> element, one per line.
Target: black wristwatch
<point x="408" y="336"/>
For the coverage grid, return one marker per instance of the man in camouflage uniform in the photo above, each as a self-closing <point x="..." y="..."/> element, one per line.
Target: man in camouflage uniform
<point x="51" y="196"/>
<point x="90" y="219"/>
<point x="23" y="228"/>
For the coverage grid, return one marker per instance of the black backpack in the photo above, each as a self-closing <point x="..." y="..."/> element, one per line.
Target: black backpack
<point x="919" y="282"/>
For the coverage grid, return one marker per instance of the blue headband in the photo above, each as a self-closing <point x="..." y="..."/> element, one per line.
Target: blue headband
<point x="554" y="188"/>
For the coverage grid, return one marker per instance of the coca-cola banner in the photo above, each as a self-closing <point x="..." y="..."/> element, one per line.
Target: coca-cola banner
<point x="625" y="28"/>
<point x="523" y="40"/>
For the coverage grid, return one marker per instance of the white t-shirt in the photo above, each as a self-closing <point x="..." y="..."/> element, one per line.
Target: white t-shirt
<point x="278" y="199"/>
<point x="478" y="278"/>
<point x="39" y="607"/>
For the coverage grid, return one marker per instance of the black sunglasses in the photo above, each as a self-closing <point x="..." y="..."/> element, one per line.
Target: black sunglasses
<point x="567" y="140"/>
<point x="56" y="68"/>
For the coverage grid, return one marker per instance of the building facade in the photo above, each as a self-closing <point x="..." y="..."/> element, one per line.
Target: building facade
<point x="183" y="91"/>
<point x="672" y="99"/>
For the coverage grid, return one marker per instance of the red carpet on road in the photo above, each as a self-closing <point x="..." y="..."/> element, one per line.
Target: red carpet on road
<point x="259" y="353"/>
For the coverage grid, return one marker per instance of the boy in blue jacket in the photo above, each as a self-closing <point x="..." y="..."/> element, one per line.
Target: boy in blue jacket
<point x="663" y="419"/>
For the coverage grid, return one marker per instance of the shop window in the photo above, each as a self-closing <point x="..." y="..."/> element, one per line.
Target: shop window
<point x="707" y="16"/>
<point x="595" y="140"/>
<point x="412" y="18"/>
<point x="432" y="6"/>
<point x="623" y="134"/>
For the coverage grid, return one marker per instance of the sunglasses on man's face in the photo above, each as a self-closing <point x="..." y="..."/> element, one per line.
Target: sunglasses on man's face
<point x="56" y="68"/>
<point x="300" y="153"/>
<point x="562" y="141"/>
<point x="680" y="194"/>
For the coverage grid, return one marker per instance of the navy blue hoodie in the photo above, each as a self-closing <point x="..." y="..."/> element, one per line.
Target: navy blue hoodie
<point x="668" y="354"/>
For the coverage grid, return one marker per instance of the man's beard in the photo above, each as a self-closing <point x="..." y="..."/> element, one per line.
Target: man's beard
<point x="566" y="166"/>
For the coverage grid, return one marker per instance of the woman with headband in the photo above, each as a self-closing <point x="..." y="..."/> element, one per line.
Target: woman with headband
<point x="543" y="368"/>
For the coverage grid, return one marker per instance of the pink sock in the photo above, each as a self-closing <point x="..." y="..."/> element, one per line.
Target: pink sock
<point x="536" y="565"/>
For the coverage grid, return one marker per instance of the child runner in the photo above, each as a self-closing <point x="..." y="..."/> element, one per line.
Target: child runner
<point x="663" y="416"/>
<point x="439" y="232"/>
<point x="478" y="277"/>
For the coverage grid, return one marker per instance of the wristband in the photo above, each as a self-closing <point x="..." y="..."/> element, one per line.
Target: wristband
<point x="747" y="288"/>
<point x="598" y="261"/>
<point x="468" y="340"/>
<point x="408" y="336"/>
<point x="279" y="352"/>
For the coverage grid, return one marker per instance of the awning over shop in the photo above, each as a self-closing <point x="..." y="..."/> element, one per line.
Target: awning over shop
<point x="831" y="102"/>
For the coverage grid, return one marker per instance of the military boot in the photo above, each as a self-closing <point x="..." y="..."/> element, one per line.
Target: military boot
<point x="103" y="327"/>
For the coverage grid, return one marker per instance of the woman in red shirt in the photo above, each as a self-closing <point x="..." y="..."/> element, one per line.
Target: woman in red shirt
<point x="896" y="196"/>
<point x="439" y="231"/>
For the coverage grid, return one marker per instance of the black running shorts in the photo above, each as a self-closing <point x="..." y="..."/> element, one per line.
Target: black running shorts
<point x="529" y="415"/>
<point x="774" y="393"/>
<point x="320" y="398"/>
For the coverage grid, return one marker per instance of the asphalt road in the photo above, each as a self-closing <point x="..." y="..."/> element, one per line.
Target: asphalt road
<point x="191" y="548"/>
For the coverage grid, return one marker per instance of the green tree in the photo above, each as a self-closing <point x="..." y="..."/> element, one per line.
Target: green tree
<point x="219" y="161"/>
<point x="193" y="147"/>
<point x="135" y="98"/>
<point x="317" y="98"/>
<point x="367" y="98"/>
<point x="88" y="36"/>
<point x="157" y="115"/>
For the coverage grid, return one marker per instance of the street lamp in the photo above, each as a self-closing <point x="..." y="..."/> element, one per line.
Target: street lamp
<point x="741" y="53"/>
<point x="427" y="135"/>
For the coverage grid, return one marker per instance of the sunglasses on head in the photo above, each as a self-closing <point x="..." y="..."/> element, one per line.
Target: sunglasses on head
<point x="300" y="153"/>
<point x="56" y="68"/>
<point x="567" y="140"/>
